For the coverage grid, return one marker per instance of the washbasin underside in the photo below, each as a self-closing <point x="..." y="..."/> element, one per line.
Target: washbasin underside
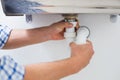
<point x="19" y="7"/>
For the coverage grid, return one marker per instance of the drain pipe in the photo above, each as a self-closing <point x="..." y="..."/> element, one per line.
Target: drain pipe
<point x="70" y="33"/>
<point x="80" y="36"/>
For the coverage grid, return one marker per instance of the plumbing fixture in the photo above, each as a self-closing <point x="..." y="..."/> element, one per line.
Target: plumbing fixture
<point x="80" y="36"/>
<point x="70" y="33"/>
<point x="113" y="18"/>
<point x="28" y="18"/>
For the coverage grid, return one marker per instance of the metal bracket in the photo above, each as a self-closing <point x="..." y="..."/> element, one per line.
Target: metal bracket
<point x="114" y="18"/>
<point x="28" y="18"/>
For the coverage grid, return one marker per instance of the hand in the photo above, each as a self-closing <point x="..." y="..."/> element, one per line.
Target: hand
<point x="56" y="30"/>
<point x="82" y="54"/>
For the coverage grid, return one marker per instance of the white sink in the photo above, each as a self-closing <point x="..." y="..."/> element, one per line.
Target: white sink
<point x="14" y="7"/>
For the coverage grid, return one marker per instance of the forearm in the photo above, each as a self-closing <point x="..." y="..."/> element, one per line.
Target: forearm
<point x="51" y="70"/>
<point x="19" y="38"/>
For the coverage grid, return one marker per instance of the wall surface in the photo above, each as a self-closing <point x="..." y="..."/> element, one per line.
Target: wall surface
<point x="105" y="36"/>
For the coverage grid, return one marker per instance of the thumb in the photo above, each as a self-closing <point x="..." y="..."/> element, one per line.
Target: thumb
<point x="63" y="25"/>
<point x="68" y="25"/>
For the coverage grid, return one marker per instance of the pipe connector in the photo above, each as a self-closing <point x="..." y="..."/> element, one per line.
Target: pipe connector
<point x="82" y="35"/>
<point x="79" y="37"/>
<point x="70" y="33"/>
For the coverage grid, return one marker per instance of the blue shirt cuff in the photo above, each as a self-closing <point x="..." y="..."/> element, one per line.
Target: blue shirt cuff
<point x="4" y="35"/>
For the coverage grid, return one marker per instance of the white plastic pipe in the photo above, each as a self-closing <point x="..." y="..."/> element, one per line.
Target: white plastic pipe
<point x="82" y="35"/>
<point x="70" y="33"/>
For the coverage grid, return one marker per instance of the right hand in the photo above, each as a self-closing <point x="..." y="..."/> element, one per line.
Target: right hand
<point x="82" y="53"/>
<point x="56" y="30"/>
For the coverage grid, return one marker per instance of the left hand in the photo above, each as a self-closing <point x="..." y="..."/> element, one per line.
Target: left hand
<point x="57" y="30"/>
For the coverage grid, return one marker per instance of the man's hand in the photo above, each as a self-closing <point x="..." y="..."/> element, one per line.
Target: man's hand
<point x="81" y="54"/>
<point x="57" y="30"/>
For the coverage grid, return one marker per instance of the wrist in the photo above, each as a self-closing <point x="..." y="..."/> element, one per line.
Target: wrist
<point x="75" y="64"/>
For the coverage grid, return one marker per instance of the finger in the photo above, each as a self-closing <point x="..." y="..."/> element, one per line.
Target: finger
<point x="72" y="44"/>
<point x="89" y="42"/>
<point x="65" y="25"/>
<point x="68" y="25"/>
<point x="62" y="33"/>
<point x="77" y="25"/>
<point x="61" y="27"/>
<point x="60" y="38"/>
